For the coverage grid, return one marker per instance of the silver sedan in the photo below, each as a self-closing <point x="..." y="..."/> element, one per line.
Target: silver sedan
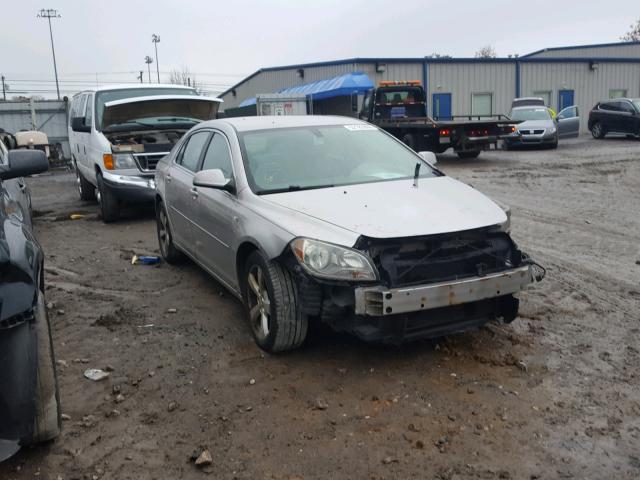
<point x="331" y="219"/>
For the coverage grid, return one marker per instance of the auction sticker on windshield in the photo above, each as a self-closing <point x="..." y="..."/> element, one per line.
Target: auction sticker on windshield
<point x="356" y="128"/>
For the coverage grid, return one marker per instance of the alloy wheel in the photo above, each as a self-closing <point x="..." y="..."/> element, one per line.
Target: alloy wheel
<point x="258" y="302"/>
<point x="163" y="232"/>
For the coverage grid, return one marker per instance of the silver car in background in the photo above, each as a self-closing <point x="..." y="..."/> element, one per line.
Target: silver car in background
<point x="330" y="219"/>
<point x="538" y="127"/>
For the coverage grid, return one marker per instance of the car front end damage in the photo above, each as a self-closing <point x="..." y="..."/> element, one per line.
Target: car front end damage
<point x="425" y="286"/>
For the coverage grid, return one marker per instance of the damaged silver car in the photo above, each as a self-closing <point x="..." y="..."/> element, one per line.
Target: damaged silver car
<point x="330" y="219"/>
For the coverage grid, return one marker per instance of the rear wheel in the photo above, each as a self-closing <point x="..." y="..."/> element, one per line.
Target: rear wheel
<point x="47" y="417"/>
<point x="409" y="140"/>
<point x="165" y="238"/>
<point x="109" y="205"/>
<point x="271" y="301"/>
<point x="597" y="130"/>
<point x="469" y="154"/>
<point x="86" y="190"/>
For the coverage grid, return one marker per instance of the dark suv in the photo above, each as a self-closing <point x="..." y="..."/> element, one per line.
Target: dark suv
<point x="621" y="115"/>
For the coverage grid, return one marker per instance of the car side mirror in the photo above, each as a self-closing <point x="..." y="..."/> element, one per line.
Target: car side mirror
<point x="23" y="163"/>
<point x="429" y="157"/>
<point x="213" y="178"/>
<point x="78" y="125"/>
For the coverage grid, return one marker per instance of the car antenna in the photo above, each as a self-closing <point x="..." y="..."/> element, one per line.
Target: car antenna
<point x="416" y="174"/>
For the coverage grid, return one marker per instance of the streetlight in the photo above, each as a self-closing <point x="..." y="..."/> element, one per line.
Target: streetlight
<point x="156" y="39"/>
<point x="50" y="13"/>
<point x="148" y="60"/>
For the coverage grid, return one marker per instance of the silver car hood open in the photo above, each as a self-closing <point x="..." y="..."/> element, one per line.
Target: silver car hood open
<point x="192" y="106"/>
<point x="396" y="208"/>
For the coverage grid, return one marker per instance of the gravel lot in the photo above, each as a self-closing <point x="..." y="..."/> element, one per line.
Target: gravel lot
<point x="556" y="394"/>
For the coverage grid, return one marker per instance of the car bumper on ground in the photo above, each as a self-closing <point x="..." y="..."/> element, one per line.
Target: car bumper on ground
<point x="132" y="188"/>
<point x="381" y="301"/>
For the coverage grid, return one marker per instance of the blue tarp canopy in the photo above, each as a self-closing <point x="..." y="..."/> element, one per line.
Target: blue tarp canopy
<point x="346" y="84"/>
<point x="247" y="102"/>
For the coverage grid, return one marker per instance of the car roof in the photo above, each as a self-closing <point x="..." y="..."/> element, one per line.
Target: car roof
<point x="531" y="107"/>
<point x="141" y="86"/>
<point x="528" y="98"/>
<point x="245" y="124"/>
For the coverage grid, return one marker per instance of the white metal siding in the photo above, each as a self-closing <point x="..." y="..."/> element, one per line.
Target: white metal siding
<point x="464" y="79"/>
<point x="613" y="51"/>
<point x="590" y="86"/>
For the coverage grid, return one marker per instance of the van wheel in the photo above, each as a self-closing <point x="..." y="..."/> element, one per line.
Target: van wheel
<point x="47" y="417"/>
<point x="469" y="154"/>
<point x="165" y="238"/>
<point x="271" y="302"/>
<point x="409" y="140"/>
<point x="597" y="130"/>
<point x="86" y="190"/>
<point x="109" y="205"/>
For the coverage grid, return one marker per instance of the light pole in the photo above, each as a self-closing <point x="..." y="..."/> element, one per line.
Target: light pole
<point x="50" y="13"/>
<point x="156" y="39"/>
<point x="148" y="60"/>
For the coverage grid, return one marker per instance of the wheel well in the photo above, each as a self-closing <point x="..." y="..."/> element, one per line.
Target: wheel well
<point x="246" y="249"/>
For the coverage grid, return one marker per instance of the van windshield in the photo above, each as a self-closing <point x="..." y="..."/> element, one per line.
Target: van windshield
<point x="120" y="94"/>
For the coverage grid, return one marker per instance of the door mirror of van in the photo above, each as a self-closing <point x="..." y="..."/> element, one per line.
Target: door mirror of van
<point x="23" y="163"/>
<point x="429" y="157"/>
<point x="213" y="178"/>
<point x="78" y="125"/>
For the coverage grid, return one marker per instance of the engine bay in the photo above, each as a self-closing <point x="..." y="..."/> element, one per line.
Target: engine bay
<point x="145" y="141"/>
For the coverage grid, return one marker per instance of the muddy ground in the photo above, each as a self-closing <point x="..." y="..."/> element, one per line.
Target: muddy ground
<point x="556" y="394"/>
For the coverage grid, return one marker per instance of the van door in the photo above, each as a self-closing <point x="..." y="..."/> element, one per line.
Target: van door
<point x="92" y="151"/>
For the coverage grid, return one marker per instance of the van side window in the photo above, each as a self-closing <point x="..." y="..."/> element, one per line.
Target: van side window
<point x="88" y="113"/>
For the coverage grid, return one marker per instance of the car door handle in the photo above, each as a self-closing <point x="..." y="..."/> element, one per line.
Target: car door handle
<point x="168" y="178"/>
<point x="194" y="192"/>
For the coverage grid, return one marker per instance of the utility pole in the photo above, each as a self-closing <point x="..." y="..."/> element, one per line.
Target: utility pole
<point x="156" y="40"/>
<point x="4" y="90"/>
<point x="148" y="60"/>
<point x="50" y="13"/>
<point x="139" y="77"/>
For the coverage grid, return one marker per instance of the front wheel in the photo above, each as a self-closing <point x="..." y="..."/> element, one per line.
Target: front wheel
<point x="47" y="401"/>
<point x="271" y="301"/>
<point x="469" y="154"/>
<point x="597" y="130"/>
<point x="109" y="205"/>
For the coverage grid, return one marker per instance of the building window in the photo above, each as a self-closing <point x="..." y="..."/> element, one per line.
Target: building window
<point x="544" y="95"/>
<point x="481" y="104"/>
<point x="617" y="93"/>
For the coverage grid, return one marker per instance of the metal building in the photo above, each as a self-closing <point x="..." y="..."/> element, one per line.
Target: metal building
<point x="577" y="75"/>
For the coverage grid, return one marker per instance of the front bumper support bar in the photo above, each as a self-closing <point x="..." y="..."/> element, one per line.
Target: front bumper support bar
<point x="381" y="301"/>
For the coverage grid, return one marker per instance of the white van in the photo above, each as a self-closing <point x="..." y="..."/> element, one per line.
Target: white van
<point x="118" y="134"/>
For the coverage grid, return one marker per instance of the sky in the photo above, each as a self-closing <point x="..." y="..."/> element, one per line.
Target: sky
<point x="221" y="42"/>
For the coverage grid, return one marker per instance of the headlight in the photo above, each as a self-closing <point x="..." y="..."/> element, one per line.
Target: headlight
<point x="551" y="130"/>
<point x="122" y="161"/>
<point x="326" y="260"/>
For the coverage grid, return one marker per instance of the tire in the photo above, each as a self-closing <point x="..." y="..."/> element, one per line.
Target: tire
<point x="554" y="145"/>
<point x="468" y="154"/>
<point x="410" y="141"/>
<point x="168" y="249"/>
<point x="47" y="421"/>
<point x="277" y="322"/>
<point x="597" y="130"/>
<point x="86" y="190"/>
<point x="109" y="205"/>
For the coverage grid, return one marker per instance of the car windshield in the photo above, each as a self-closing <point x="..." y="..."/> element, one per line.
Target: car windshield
<point x="524" y="114"/>
<point x="290" y="159"/>
<point x="121" y="94"/>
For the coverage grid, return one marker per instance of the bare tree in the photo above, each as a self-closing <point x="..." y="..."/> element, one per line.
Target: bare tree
<point x="632" y="35"/>
<point x="486" y="52"/>
<point x="438" y="55"/>
<point x="185" y="77"/>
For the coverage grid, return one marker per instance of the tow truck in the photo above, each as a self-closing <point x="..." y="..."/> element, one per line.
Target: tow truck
<point x="400" y="108"/>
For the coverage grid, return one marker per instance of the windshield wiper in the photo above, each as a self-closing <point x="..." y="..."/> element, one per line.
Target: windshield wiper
<point x="179" y="119"/>
<point x="293" y="188"/>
